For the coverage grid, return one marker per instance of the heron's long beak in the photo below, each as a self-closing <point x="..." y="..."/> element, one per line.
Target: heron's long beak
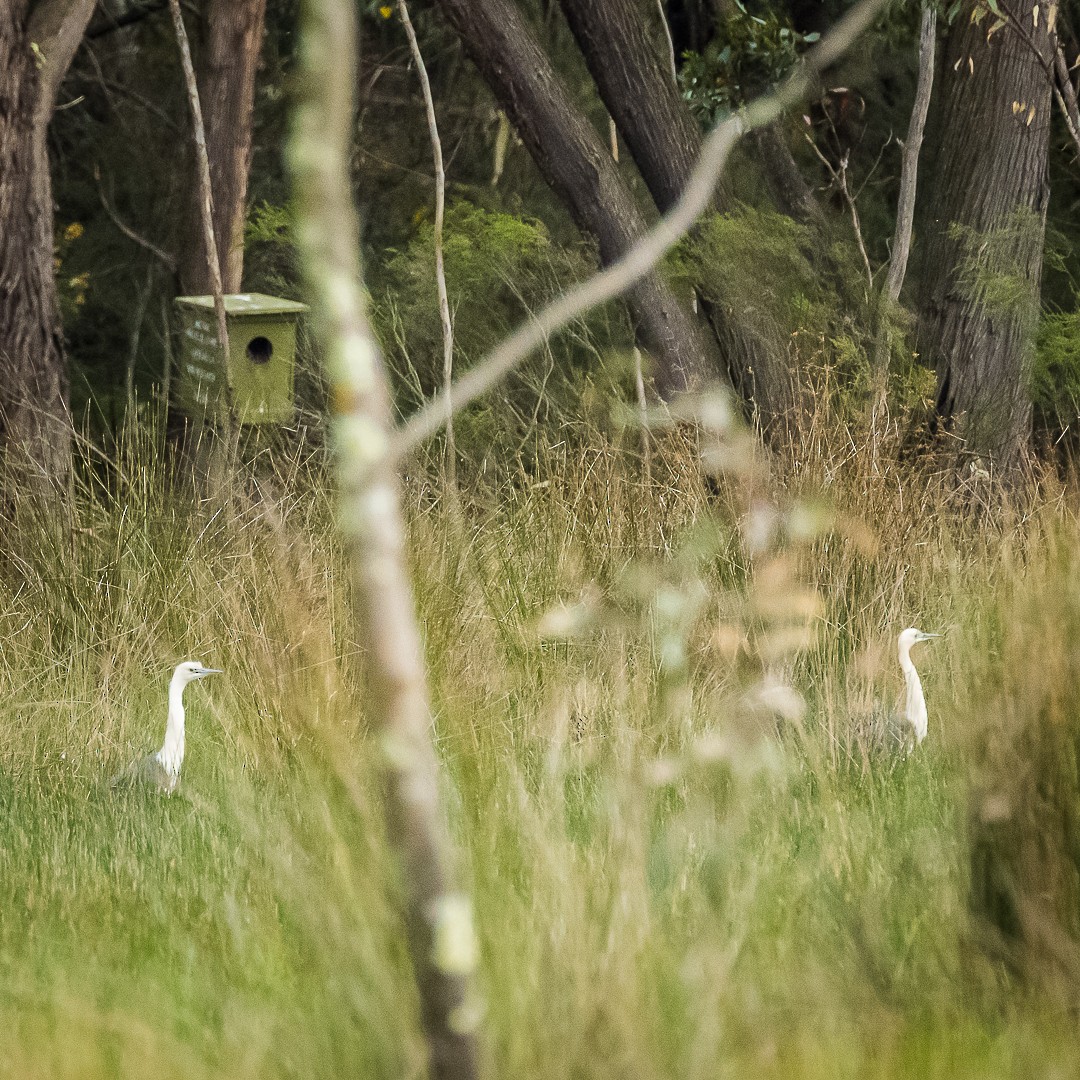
<point x="217" y="671"/>
<point x="927" y="637"/>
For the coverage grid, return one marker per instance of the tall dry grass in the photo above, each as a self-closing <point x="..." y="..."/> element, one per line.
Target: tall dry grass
<point x="685" y="860"/>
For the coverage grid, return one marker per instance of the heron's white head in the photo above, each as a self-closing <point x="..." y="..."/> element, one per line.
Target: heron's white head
<point x="910" y="637"/>
<point x="190" y="670"/>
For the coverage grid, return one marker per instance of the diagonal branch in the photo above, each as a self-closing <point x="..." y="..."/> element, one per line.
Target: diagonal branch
<point x="647" y="252"/>
<point x="1057" y="72"/>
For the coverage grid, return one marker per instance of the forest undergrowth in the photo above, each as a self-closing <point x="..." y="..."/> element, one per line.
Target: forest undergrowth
<point x="689" y="853"/>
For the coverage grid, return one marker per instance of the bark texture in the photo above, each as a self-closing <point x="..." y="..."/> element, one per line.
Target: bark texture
<point x="622" y="44"/>
<point x="578" y="166"/>
<point x="624" y="48"/>
<point x="787" y="185"/>
<point x="984" y="253"/>
<point x="37" y="43"/>
<point x="232" y="35"/>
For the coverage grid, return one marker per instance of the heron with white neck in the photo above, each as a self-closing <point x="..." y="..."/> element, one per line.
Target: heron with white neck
<point x="161" y="770"/>
<point x="914" y="701"/>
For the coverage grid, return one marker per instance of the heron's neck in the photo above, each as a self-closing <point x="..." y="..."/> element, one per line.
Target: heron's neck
<point x="171" y="754"/>
<point x="915" y="703"/>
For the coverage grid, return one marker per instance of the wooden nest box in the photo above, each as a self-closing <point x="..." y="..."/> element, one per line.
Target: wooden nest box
<point x="258" y="372"/>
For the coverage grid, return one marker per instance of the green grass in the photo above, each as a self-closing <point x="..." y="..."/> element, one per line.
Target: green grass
<point x="670" y="879"/>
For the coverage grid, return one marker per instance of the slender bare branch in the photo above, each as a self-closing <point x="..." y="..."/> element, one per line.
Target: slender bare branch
<point x="647" y="252"/>
<point x="1065" y="93"/>
<point x="909" y="168"/>
<point x="206" y="202"/>
<point x="440" y="271"/>
<point x="839" y="178"/>
<point x="1021" y="31"/>
<point x="905" y="216"/>
<point x="670" y="42"/>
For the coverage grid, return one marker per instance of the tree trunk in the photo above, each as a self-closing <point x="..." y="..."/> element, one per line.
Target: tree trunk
<point x="624" y="47"/>
<point x="37" y="43"/>
<point x="579" y="168"/>
<point x="227" y="62"/>
<point x="984" y="253"/>
<point x="621" y="41"/>
<point x="787" y="185"/>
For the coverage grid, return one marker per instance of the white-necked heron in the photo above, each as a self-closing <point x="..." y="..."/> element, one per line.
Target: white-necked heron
<point x="914" y="701"/>
<point x="161" y="770"/>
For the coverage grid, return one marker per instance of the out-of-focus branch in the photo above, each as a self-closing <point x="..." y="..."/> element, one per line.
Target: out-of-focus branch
<point x="438" y="918"/>
<point x="647" y="252"/>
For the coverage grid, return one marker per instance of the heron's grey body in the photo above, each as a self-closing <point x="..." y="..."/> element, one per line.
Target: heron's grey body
<point x="161" y="770"/>
<point x="147" y="772"/>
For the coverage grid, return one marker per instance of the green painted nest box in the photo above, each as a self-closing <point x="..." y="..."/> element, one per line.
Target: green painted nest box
<point x="260" y="365"/>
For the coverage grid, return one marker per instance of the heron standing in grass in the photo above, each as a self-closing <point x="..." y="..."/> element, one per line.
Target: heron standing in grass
<point x="914" y="701"/>
<point x="161" y="770"/>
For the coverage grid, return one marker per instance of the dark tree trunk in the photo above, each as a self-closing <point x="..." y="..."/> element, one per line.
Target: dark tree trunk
<point x="693" y="23"/>
<point x="787" y="185"/>
<point x="621" y="42"/>
<point x="624" y="47"/>
<point x="37" y="43"/>
<point x="227" y="62"/>
<point x="984" y="253"/>
<point x="577" y="165"/>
